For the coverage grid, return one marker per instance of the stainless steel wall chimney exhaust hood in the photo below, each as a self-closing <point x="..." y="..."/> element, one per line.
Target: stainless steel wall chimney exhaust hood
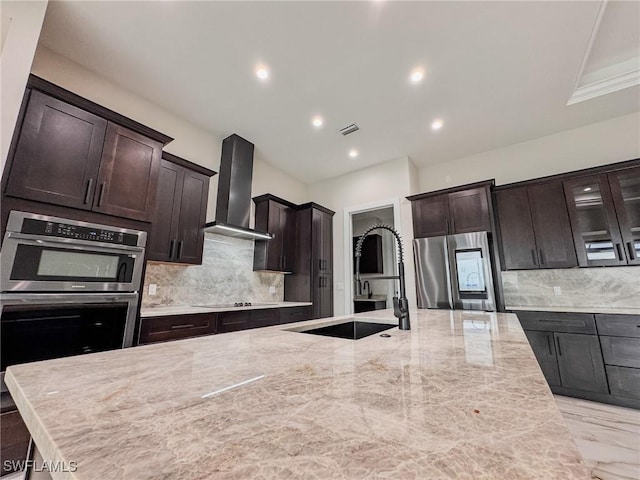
<point x="234" y="191"/>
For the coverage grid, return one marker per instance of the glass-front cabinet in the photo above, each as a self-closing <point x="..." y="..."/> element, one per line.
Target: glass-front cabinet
<point x="605" y="217"/>
<point x="625" y="190"/>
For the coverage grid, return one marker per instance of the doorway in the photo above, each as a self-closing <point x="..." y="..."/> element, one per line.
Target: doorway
<point x="379" y="256"/>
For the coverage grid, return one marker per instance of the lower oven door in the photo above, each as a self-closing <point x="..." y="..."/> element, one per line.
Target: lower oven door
<point x="44" y="326"/>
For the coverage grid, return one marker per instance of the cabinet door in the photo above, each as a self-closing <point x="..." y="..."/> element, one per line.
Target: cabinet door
<point x="323" y="296"/>
<point x="593" y="221"/>
<point x="277" y="226"/>
<point x="191" y="217"/>
<point x="288" y="228"/>
<point x="57" y="154"/>
<point x="625" y="189"/>
<point x="542" y="344"/>
<point x="580" y="362"/>
<point x="551" y="226"/>
<point x="469" y="211"/>
<point x="128" y="176"/>
<point x="430" y="216"/>
<point x="516" y="229"/>
<point x="162" y="240"/>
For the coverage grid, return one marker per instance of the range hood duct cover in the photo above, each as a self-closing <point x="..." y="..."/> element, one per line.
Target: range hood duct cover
<point x="233" y="204"/>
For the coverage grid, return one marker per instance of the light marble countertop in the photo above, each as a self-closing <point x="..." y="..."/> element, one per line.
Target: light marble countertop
<point x="460" y="396"/>
<point x="187" y="309"/>
<point x="374" y="298"/>
<point x="611" y="310"/>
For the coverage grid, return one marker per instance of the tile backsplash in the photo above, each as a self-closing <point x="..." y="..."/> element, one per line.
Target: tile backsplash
<point x="578" y="287"/>
<point x="225" y="276"/>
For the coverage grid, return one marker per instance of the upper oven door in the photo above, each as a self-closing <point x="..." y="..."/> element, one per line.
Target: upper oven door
<point x="46" y="264"/>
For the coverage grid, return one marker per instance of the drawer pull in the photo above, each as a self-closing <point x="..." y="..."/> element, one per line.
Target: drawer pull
<point x="185" y="325"/>
<point x="549" y="345"/>
<point x="558" y="344"/>
<point x="632" y="250"/>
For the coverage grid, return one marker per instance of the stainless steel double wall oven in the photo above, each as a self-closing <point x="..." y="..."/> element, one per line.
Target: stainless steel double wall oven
<point x="68" y="287"/>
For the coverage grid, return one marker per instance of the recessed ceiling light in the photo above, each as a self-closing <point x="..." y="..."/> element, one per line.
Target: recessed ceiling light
<point x="417" y="74"/>
<point x="317" y="121"/>
<point x="262" y="72"/>
<point x="353" y="153"/>
<point x="588" y="189"/>
<point x="437" y="124"/>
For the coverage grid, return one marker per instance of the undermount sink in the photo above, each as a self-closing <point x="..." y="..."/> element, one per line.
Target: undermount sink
<point x="352" y="330"/>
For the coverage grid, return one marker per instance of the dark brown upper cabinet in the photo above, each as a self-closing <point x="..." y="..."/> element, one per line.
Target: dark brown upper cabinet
<point x="462" y="209"/>
<point x="71" y="152"/>
<point x="128" y="177"/>
<point x="605" y="217"/>
<point x="57" y="154"/>
<point x="180" y="212"/>
<point x="312" y="280"/>
<point x="534" y="227"/>
<point x="276" y="216"/>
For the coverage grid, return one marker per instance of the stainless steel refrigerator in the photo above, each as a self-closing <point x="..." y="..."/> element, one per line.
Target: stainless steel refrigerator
<point x="454" y="272"/>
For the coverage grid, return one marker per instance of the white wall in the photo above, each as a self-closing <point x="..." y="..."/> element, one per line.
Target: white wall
<point x="600" y="143"/>
<point x="21" y="25"/>
<point x="389" y="180"/>
<point x="191" y="141"/>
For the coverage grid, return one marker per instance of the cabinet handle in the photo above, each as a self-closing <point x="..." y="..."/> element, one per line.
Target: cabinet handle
<point x="619" y="250"/>
<point x="185" y="325"/>
<point x="320" y="265"/>
<point x="632" y="250"/>
<point x="284" y="261"/>
<point x="541" y="257"/>
<point x="533" y="256"/>
<point x="172" y="247"/>
<point x="180" y="245"/>
<point x="447" y="226"/>
<point x="101" y="195"/>
<point x="88" y="192"/>
<point x="453" y="225"/>
<point x="558" y="344"/>
<point x="549" y="344"/>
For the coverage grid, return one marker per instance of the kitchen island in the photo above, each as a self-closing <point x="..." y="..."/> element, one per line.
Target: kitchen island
<point x="459" y="396"/>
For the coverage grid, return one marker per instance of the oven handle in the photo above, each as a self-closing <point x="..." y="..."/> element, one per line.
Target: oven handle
<point x="66" y="298"/>
<point x="71" y="242"/>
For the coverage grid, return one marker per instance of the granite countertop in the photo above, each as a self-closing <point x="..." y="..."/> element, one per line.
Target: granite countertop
<point x="611" y="310"/>
<point x="460" y="396"/>
<point x="374" y="298"/>
<point x="187" y="309"/>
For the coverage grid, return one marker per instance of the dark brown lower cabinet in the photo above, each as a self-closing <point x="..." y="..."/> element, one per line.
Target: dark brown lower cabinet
<point x="595" y="357"/>
<point x="15" y="441"/>
<point x="176" y="327"/>
<point x="360" y="306"/>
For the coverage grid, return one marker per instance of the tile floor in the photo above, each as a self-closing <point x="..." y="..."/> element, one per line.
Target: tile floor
<point x="607" y="436"/>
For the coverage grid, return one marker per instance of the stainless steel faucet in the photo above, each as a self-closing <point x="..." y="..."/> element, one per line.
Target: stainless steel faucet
<point x="367" y="288"/>
<point x="400" y="303"/>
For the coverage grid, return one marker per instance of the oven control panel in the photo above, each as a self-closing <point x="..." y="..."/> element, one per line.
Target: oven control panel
<point x="77" y="232"/>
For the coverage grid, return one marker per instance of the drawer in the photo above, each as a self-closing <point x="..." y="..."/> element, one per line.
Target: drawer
<point x="621" y="351"/>
<point x="234" y="321"/>
<point x="295" y="314"/>
<point x="265" y="317"/>
<point x="174" y="327"/>
<point x="624" y="382"/>
<point x="618" y="325"/>
<point x="558" y="322"/>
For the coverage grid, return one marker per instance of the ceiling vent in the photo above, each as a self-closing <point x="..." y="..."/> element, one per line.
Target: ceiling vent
<point x="349" y="129"/>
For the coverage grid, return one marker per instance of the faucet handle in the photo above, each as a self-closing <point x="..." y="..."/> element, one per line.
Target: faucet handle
<point x="396" y="308"/>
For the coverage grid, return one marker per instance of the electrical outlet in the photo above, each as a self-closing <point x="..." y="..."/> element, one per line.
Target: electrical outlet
<point x="557" y="291"/>
<point x="272" y="289"/>
<point x="339" y="286"/>
<point x="153" y="289"/>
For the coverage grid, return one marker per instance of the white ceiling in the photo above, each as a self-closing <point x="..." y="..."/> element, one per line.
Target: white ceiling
<point x="497" y="73"/>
